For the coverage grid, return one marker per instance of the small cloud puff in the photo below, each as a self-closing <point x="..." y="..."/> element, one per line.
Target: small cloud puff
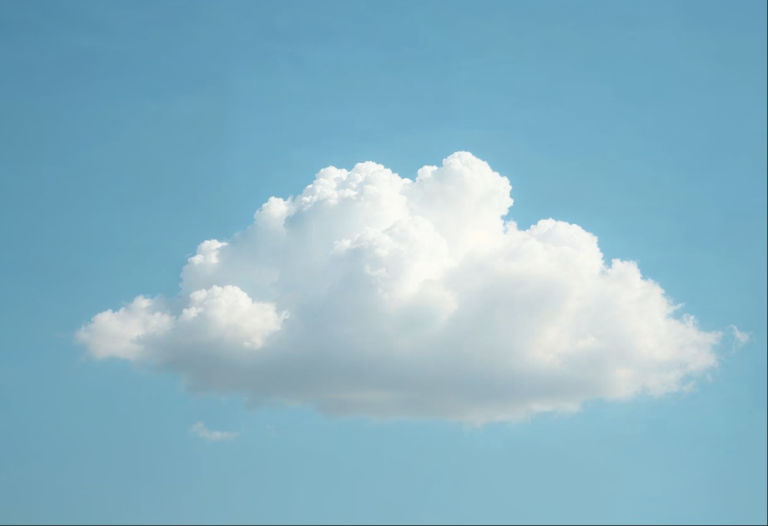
<point x="740" y="339"/>
<point x="202" y="431"/>
<point x="380" y="296"/>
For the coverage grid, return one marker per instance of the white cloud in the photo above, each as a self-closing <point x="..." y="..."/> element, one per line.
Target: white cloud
<point x="119" y="334"/>
<point x="202" y="431"/>
<point x="375" y="295"/>
<point x="740" y="338"/>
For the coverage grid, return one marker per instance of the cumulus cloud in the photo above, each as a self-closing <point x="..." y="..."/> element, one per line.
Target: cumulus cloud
<point x="375" y="295"/>
<point x="202" y="431"/>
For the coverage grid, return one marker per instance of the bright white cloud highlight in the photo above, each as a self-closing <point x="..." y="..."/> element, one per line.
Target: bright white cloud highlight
<point x="375" y="295"/>
<point x="202" y="431"/>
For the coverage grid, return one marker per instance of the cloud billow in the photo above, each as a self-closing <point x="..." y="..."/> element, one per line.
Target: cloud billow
<point x="384" y="297"/>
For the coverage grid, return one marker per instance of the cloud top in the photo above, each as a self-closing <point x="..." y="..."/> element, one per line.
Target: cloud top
<point x="375" y="295"/>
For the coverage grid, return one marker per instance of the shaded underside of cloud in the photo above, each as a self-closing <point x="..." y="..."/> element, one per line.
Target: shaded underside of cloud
<point x="375" y="295"/>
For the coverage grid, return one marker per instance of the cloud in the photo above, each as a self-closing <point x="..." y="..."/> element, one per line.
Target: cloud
<point x="740" y="338"/>
<point x="379" y="296"/>
<point x="202" y="431"/>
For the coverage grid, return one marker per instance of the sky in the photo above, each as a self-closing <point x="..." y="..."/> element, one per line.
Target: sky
<point x="543" y="373"/>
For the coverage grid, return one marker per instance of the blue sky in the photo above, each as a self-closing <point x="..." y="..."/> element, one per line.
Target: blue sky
<point x="132" y="131"/>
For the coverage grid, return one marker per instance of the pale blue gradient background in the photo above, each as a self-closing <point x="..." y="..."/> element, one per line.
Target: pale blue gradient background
<point x="131" y="131"/>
